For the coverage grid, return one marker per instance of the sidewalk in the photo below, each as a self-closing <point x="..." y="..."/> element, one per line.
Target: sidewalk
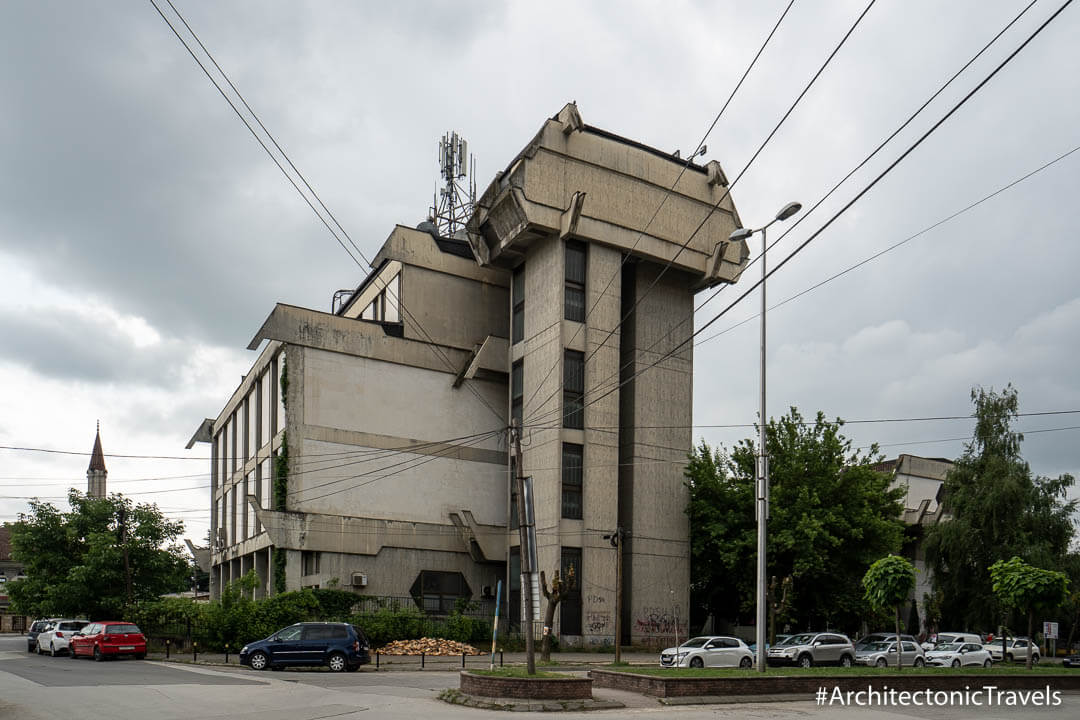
<point x="564" y="660"/>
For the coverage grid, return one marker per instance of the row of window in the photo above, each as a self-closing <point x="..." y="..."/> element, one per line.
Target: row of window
<point x="570" y="608"/>
<point x="252" y="425"/>
<point x="384" y="307"/>
<point x="235" y="516"/>
<point x="573" y="294"/>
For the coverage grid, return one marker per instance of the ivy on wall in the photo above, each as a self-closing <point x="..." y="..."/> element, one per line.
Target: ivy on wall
<point x="279" y="570"/>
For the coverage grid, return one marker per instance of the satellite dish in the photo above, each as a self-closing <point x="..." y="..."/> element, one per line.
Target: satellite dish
<point x="429" y="227"/>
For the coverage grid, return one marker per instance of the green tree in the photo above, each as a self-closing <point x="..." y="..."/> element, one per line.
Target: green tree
<point x="997" y="509"/>
<point x="1027" y="588"/>
<point x="75" y="561"/>
<point x="888" y="584"/>
<point x="831" y="516"/>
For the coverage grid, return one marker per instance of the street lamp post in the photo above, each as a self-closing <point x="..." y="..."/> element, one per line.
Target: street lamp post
<point x="762" y="493"/>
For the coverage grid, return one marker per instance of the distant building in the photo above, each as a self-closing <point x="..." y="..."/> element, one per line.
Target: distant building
<point x="566" y="307"/>
<point x="923" y="480"/>
<point x="9" y="569"/>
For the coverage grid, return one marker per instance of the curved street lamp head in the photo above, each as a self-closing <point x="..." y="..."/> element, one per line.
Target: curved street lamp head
<point x="788" y="210"/>
<point x="740" y="234"/>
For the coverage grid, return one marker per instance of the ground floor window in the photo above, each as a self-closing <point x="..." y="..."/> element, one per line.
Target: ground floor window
<point x="570" y="607"/>
<point x="310" y="561"/>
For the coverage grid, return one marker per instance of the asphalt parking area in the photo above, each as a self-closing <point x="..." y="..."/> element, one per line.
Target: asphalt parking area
<point x="66" y="672"/>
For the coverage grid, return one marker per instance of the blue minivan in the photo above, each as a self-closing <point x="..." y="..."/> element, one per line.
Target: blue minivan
<point x="339" y="646"/>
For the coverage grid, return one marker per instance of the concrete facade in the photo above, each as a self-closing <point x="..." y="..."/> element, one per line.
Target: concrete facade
<point x="396" y="405"/>
<point x="575" y="186"/>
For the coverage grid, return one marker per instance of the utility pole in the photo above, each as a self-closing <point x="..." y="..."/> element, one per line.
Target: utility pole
<point x="523" y="550"/>
<point x="616" y="542"/>
<point x="124" y="547"/>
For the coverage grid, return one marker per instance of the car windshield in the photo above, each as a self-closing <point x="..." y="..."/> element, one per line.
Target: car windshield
<point x="695" y="642"/>
<point x="946" y="639"/>
<point x="948" y="647"/>
<point x="796" y="640"/>
<point x="72" y="625"/>
<point x="879" y="646"/>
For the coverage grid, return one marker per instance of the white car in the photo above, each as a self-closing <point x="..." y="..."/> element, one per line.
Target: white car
<point x="959" y="654"/>
<point x="1016" y="649"/>
<point x="56" y="638"/>
<point x="948" y="638"/>
<point x="883" y="654"/>
<point x="709" y="651"/>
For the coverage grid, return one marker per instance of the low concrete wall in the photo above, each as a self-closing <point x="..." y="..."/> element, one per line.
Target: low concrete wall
<point x="566" y="688"/>
<point x="807" y="685"/>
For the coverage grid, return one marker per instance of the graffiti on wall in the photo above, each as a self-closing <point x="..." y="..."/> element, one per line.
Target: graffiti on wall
<point x="658" y="621"/>
<point x="597" y="623"/>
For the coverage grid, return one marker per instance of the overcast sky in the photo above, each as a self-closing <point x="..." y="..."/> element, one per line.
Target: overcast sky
<point x="144" y="235"/>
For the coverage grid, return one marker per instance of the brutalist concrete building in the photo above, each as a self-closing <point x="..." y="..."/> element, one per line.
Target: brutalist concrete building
<point x="368" y="446"/>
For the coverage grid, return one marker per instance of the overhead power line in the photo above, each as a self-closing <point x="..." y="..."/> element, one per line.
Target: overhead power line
<point x="664" y="199"/>
<point x="838" y="213"/>
<point x="803" y="216"/>
<point x="429" y="340"/>
<point x="715" y="206"/>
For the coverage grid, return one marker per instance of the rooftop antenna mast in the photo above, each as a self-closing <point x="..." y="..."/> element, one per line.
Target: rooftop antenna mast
<point x="454" y="201"/>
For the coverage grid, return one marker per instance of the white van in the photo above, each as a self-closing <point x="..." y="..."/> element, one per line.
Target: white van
<point x="947" y="638"/>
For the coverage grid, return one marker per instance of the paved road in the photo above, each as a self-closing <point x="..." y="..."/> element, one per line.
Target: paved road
<point x="45" y="688"/>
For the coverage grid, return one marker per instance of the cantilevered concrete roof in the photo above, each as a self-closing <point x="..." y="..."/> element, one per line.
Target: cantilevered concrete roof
<point x="573" y="180"/>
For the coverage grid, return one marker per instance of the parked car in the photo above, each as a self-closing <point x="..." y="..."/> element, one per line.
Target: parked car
<point x="340" y="646"/>
<point x="1071" y="661"/>
<point x="111" y="638"/>
<point x="883" y="654"/>
<point x="1016" y="649"/>
<point x="958" y="654"/>
<point x="948" y="638"/>
<point x="709" y="651"/>
<point x="809" y="649"/>
<point x="56" y="637"/>
<point x="36" y="628"/>
<point x="868" y="640"/>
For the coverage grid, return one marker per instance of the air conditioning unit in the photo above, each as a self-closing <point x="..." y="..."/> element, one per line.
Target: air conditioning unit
<point x="487" y="591"/>
<point x="359" y="579"/>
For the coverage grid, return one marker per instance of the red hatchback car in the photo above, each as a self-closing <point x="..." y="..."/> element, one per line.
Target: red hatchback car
<point x="100" y="640"/>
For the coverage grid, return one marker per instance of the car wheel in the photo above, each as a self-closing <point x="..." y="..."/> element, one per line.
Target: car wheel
<point x="919" y="662"/>
<point x="956" y="663"/>
<point x="745" y="663"/>
<point x="1008" y="658"/>
<point x="882" y="662"/>
<point x="38" y="649"/>
<point x="806" y="661"/>
<point x="697" y="662"/>
<point x="259" y="661"/>
<point x="98" y="657"/>
<point x="337" y="662"/>
<point x="988" y="664"/>
<point x="1035" y="659"/>
<point x="52" y="650"/>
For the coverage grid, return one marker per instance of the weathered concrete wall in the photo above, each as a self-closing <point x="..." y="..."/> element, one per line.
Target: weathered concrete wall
<point x="456" y="311"/>
<point x="656" y="436"/>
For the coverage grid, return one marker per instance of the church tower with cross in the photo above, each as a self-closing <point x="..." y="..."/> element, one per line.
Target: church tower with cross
<point x="96" y="473"/>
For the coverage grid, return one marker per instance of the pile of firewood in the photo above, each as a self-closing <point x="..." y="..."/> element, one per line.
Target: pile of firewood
<point x="427" y="646"/>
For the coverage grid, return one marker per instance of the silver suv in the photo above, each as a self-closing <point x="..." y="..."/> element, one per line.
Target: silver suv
<point x="809" y="649"/>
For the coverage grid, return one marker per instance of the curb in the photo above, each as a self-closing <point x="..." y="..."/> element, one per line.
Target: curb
<point x="456" y="697"/>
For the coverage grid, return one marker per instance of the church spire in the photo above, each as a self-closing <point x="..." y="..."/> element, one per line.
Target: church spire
<point x="96" y="473"/>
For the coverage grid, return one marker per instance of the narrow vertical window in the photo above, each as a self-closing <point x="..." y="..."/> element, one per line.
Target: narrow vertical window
<point x="572" y="476"/>
<point x="266" y="496"/>
<point x="574" y="389"/>
<point x="517" y="296"/>
<point x="570" y="607"/>
<point x="235" y="429"/>
<point x="517" y="391"/>
<point x="575" y="281"/>
<point x="265" y="410"/>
